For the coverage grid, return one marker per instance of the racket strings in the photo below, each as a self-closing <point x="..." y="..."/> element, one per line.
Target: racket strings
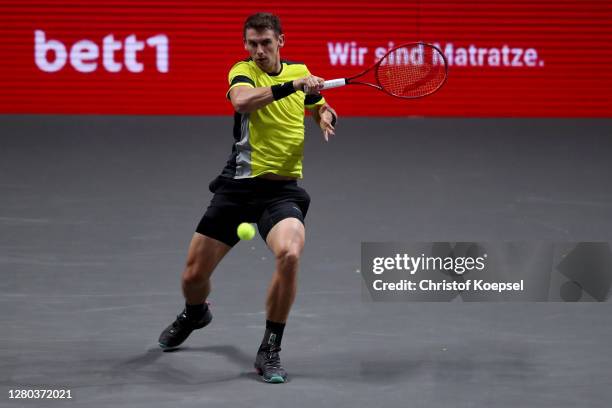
<point x="412" y="71"/>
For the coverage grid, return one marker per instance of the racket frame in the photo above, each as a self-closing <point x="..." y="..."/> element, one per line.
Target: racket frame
<point x="335" y="83"/>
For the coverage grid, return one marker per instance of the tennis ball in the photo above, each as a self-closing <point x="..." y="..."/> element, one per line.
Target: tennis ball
<point x="246" y="231"/>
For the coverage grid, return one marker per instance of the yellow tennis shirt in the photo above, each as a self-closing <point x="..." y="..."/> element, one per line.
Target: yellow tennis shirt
<point x="270" y="139"/>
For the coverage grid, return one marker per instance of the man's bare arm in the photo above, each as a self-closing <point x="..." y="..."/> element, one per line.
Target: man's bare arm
<point x="245" y="99"/>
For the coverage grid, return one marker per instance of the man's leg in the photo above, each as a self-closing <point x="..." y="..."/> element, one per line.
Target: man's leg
<point x="204" y="255"/>
<point x="286" y="240"/>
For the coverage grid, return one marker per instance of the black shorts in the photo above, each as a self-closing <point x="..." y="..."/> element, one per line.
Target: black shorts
<point x="255" y="200"/>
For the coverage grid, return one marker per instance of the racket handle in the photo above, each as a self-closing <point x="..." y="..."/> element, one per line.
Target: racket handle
<point x="334" y="83"/>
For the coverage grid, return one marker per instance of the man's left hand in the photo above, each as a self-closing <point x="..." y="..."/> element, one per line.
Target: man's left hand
<point x="327" y="115"/>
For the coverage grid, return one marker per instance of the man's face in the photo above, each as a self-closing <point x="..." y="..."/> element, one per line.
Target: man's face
<point x="263" y="47"/>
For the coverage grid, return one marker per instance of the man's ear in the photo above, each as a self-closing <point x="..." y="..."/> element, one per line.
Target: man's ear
<point x="281" y="40"/>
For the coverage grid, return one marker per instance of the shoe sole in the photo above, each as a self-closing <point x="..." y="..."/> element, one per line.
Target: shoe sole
<point x="275" y="379"/>
<point x="167" y="348"/>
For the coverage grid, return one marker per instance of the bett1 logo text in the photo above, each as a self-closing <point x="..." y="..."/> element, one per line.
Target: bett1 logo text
<point x="112" y="55"/>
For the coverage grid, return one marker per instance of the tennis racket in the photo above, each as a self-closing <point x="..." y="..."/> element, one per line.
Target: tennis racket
<point x="408" y="71"/>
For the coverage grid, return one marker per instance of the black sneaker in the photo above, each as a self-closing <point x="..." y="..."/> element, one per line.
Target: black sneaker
<point x="268" y="365"/>
<point x="181" y="328"/>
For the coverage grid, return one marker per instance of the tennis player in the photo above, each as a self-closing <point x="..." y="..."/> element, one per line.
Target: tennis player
<point x="258" y="184"/>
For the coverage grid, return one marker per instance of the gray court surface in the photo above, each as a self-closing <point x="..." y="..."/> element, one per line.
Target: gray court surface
<point x="96" y="214"/>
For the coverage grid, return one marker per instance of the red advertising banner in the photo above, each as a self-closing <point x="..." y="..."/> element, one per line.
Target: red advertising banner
<point x="506" y="57"/>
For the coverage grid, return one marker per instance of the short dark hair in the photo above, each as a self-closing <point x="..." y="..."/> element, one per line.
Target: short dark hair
<point x="263" y="21"/>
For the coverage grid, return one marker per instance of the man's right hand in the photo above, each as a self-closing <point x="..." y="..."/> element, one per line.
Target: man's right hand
<point x="310" y="85"/>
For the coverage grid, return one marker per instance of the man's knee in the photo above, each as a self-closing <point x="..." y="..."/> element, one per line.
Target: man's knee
<point x="194" y="274"/>
<point x="288" y="257"/>
<point x="204" y="255"/>
<point x="197" y="270"/>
